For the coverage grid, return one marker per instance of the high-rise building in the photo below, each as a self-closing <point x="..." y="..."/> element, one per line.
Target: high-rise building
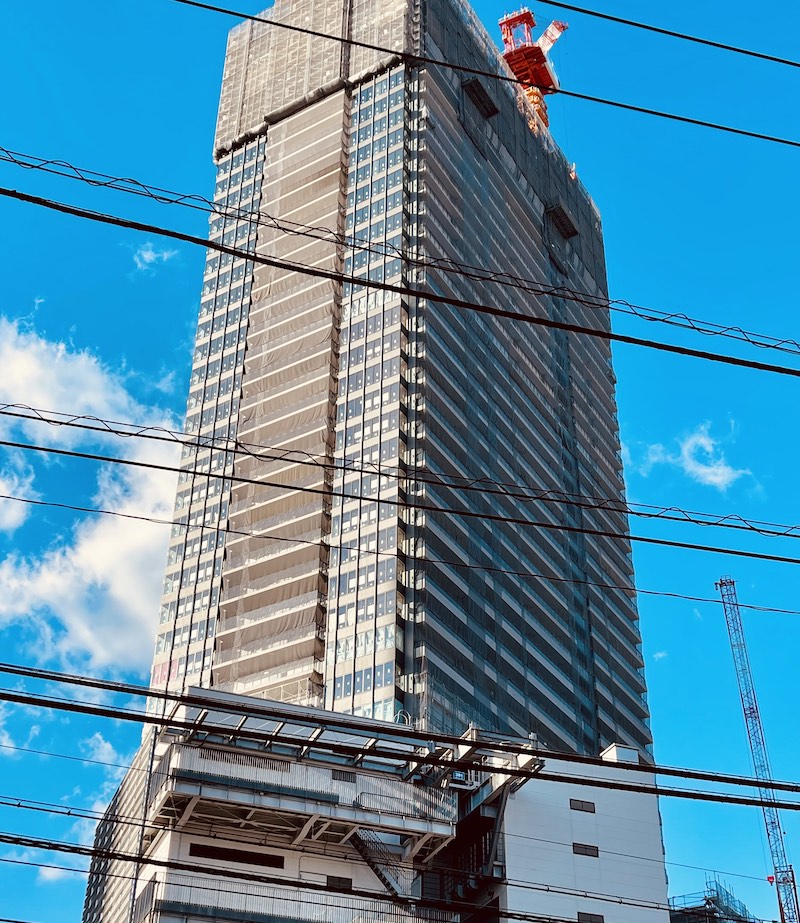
<point x="394" y="506"/>
<point x="400" y="507"/>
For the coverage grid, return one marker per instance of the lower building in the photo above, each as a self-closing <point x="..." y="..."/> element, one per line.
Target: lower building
<point x="246" y="810"/>
<point x="714" y="905"/>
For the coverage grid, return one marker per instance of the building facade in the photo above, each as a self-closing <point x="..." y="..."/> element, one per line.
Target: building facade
<point x="392" y="505"/>
<point x="244" y="809"/>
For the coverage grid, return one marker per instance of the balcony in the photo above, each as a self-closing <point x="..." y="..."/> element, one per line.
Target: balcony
<point x="263" y="679"/>
<point x="271" y="649"/>
<point x="380" y="801"/>
<point x="277" y="616"/>
<point x="309" y="569"/>
<point x="208" y="897"/>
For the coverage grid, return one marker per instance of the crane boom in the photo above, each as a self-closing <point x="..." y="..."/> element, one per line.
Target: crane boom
<point x="784" y="873"/>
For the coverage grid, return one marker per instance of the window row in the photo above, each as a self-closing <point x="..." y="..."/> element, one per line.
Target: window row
<point x="231" y="180"/>
<point x="213" y="391"/>
<point x="248" y="155"/>
<point x="191" y="576"/>
<point x="373" y="323"/>
<point x="225" y="298"/>
<point x="185" y="635"/>
<point x="355" y="381"/>
<point x="365" y="642"/>
<point x="364" y="681"/>
<point x="376" y="167"/>
<point x="217" y="366"/>
<point x="383" y="272"/>
<point x="375" y="210"/>
<point x="189" y="604"/>
<point x="224" y="279"/>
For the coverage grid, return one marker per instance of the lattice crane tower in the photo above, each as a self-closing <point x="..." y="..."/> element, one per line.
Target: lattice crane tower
<point x="784" y="873"/>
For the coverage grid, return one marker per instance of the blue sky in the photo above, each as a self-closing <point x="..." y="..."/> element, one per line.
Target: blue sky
<point x="99" y="320"/>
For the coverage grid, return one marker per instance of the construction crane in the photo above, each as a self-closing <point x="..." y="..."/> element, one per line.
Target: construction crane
<point x="528" y="58"/>
<point x="783" y="872"/>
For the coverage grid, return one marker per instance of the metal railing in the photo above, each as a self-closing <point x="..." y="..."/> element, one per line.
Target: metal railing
<point x="271" y="644"/>
<point x="386" y="796"/>
<point x="206" y="893"/>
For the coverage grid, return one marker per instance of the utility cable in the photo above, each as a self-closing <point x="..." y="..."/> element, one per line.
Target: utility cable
<point x="524" y="884"/>
<point x="66" y="810"/>
<point x="329" y="493"/>
<point x="671" y="33"/>
<point x="225" y="732"/>
<point x="484" y="486"/>
<point x="127" y="820"/>
<point x="416" y="60"/>
<point x="265" y="710"/>
<point x="391" y="554"/>
<point x="447" y="908"/>
<point x="426" y="294"/>
<point x="352" y="241"/>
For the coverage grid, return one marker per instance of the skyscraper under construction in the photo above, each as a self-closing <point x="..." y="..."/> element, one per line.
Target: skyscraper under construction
<point x="389" y="505"/>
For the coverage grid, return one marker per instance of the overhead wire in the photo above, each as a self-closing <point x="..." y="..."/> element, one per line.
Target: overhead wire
<point x="356" y="243"/>
<point x="449" y="906"/>
<point x="67" y="810"/>
<point x="472" y="484"/>
<point x="14" y="697"/>
<point x="414" y="59"/>
<point x="659" y="30"/>
<point x="450" y="563"/>
<point x="426" y="294"/>
<point x="672" y="33"/>
<point x="267" y="710"/>
<point x="416" y="506"/>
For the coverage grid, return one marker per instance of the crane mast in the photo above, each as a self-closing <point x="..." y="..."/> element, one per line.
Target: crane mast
<point x="784" y="873"/>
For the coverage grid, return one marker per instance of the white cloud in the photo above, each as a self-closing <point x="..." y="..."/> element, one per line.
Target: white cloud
<point x="660" y="655"/>
<point x="91" y="595"/>
<point x="101" y="584"/>
<point x="703" y="461"/>
<point x="699" y="456"/>
<point x="147" y="257"/>
<point x="15" y="484"/>
<point x="6" y="740"/>
<point x="166" y="384"/>
<point x="49" y="375"/>
<point x="98" y="748"/>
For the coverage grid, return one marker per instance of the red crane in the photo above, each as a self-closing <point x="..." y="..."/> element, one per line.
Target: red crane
<point x="528" y="58"/>
<point x="784" y="873"/>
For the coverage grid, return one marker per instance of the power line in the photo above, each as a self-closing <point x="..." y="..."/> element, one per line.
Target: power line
<point x="334" y="721"/>
<point x="226" y="732"/>
<point x="458" y="564"/>
<point x="415" y="60"/>
<point x="403" y="290"/>
<point x="671" y="33"/>
<point x="127" y="820"/>
<point x="90" y="814"/>
<point x="447" y="906"/>
<point x="474" y="273"/>
<point x="418" y="507"/>
<point x="484" y="486"/>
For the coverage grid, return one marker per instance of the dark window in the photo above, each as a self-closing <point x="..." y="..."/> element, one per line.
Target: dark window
<point x="481" y="99"/>
<point x="577" y="805"/>
<point x="584" y="849"/>
<point x="590" y="917"/>
<point x="562" y="220"/>
<point x="246" y="856"/>
<point x="339" y="883"/>
<point x="343" y="775"/>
